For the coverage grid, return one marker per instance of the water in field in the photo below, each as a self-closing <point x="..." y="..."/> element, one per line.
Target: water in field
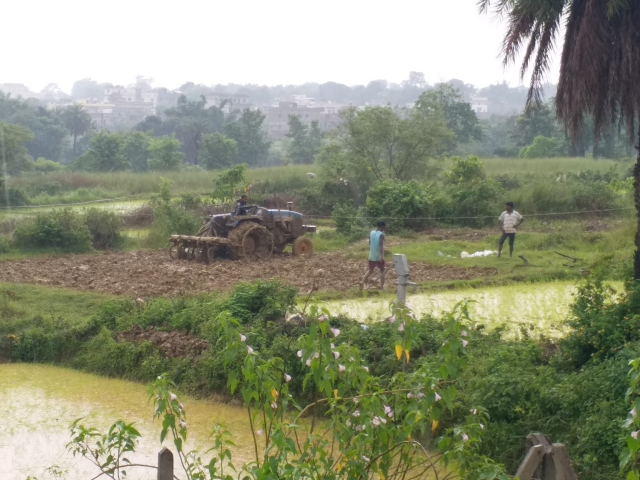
<point x="38" y="403"/>
<point x="544" y="306"/>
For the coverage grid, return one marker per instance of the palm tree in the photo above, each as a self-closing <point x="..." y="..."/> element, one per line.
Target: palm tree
<point x="600" y="63"/>
<point x="77" y="121"/>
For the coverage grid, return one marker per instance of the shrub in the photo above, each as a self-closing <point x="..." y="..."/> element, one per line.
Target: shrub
<point x="58" y="229"/>
<point x="542" y="147"/>
<point x="468" y="197"/>
<point x="399" y="204"/>
<point x="15" y="196"/>
<point x="46" y="166"/>
<point x="4" y="245"/>
<point x="105" y="227"/>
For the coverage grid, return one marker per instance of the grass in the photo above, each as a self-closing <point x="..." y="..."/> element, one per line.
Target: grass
<point x="24" y="305"/>
<point x="545" y="166"/>
<point x="86" y="186"/>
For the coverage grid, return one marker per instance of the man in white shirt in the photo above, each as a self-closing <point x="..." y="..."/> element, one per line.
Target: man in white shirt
<point x="509" y="221"/>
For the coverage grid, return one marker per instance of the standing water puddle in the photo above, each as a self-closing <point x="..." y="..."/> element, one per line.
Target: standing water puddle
<point x="38" y="403"/>
<point x="543" y="305"/>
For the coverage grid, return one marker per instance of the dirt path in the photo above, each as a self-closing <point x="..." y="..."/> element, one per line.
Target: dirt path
<point x="153" y="273"/>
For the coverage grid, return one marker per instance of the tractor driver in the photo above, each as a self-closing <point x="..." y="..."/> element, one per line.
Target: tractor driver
<point x="241" y="206"/>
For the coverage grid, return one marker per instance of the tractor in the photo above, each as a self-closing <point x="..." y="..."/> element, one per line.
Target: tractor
<point x="254" y="236"/>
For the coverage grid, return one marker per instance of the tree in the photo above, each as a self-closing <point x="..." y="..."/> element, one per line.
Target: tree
<point x="189" y="120"/>
<point x="77" y="121"/>
<point x="87" y="88"/>
<point x="392" y="143"/>
<point x="459" y="117"/>
<point x="105" y="153"/>
<point x="229" y="182"/>
<point x="13" y="153"/>
<point x="536" y="121"/>
<point x="136" y="151"/>
<point x="307" y="140"/>
<point x="218" y="151"/>
<point x="253" y="146"/>
<point x="599" y="67"/>
<point x="164" y="154"/>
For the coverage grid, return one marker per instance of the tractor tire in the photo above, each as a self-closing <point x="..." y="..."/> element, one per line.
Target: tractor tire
<point x="251" y="241"/>
<point x="302" y="247"/>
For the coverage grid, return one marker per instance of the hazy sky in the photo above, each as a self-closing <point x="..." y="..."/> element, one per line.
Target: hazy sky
<point x="249" y="41"/>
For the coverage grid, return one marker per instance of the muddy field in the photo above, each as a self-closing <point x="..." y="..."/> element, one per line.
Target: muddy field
<point x="153" y="273"/>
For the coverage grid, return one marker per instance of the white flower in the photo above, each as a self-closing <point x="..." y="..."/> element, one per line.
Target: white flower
<point x="463" y="333"/>
<point x="409" y="395"/>
<point x="172" y="396"/>
<point x="341" y="368"/>
<point x="355" y="400"/>
<point x="465" y="437"/>
<point x="388" y="411"/>
<point x="634" y="435"/>
<point x="259" y="432"/>
<point x="356" y="413"/>
<point x="464" y="343"/>
<point x="420" y="395"/>
<point x="333" y="346"/>
<point x="299" y="353"/>
<point x="335" y="332"/>
<point x="633" y="412"/>
<point x="287" y="377"/>
<point x="336" y="355"/>
<point x="348" y="423"/>
<point x="437" y="397"/>
<point x="401" y="327"/>
<point x="366" y="368"/>
<point x="322" y="318"/>
<point x="393" y="319"/>
<point x="375" y="421"/>
<point x="274" y="405"/>
<point x="316" y="355"/>
<point x="249" y="350"/>
<point x="481" y="426"/>
<point x="183" y="424"/>
<point x="473" y="411"/>
<point x="366" y="459"/>
<point x="243" y="338"/>
<point x="308" y="362"/>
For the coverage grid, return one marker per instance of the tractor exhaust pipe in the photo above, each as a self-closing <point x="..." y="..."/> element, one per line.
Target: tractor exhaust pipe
<point x="290" y="206"/>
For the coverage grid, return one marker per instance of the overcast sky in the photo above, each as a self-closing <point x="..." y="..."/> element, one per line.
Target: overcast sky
<point x="249" y="41"/>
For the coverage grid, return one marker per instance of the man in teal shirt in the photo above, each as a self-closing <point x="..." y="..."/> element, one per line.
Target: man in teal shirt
<point x="376" y="254"/>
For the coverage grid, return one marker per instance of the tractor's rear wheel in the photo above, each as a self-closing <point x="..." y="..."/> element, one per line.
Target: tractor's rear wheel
<point x="302" y="247"/>
<point x="251" y="241"/>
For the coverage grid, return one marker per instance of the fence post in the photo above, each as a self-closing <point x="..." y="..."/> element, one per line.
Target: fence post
<point x="402" y="270"/>
<point x="165" y="464"/>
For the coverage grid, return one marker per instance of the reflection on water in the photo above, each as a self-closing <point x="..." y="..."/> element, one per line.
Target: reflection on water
<point x="38" y="403"/>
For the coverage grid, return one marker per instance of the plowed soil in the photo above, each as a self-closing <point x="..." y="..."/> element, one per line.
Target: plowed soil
<point x="153" y="273"/>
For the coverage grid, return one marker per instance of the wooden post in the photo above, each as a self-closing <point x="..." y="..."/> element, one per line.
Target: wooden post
<point x="165" y="464"/>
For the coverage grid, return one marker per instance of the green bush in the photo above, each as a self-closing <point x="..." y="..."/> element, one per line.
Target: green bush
<point x="46" y="166"/>
<point x="58" y="229"/>
<point x="105" y="228"/>
<point x="542" y="147"/>
<point x="468" y="197"/>
<point x="4" y="245"/>
<point x="15" y="196"/>
<point x="351" y="222"/>
<point x="399" y="204"/>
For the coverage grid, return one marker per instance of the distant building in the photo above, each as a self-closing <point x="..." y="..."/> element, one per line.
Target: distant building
<point x="480" y="105"/>
<point x="232" y="102"/>
<point x="325" y="113"/>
